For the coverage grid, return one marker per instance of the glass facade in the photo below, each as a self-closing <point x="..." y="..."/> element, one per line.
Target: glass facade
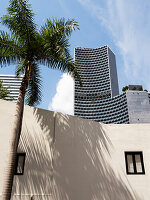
<point x="95" y="99"/>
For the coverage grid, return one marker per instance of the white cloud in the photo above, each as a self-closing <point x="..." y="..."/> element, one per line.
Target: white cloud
<point x="63" y="100"/>
<point x="129" y="24"/>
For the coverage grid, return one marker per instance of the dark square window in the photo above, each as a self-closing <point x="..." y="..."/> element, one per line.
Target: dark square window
<point x="20" y="162"/>
<point x="134" y="163"/>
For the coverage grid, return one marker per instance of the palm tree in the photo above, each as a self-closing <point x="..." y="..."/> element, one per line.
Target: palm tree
<point x="28" y="48"/>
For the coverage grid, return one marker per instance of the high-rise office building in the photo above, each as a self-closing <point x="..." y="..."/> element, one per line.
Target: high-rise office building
<point x="13" y="83"/>
<point x="98" y="99"/>
<point x="97" y="68"/>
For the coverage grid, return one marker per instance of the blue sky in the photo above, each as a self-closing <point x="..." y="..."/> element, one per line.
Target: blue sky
<point x="123" y="25"/>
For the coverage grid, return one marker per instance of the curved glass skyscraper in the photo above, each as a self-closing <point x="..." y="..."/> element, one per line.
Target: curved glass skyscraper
<point x="98" y="99"/>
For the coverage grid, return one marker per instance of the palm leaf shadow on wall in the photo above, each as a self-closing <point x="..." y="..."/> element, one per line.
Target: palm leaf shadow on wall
<point x="70" y="164"/>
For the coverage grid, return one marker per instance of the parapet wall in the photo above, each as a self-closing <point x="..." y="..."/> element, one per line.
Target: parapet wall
<point x="68" y="158"/>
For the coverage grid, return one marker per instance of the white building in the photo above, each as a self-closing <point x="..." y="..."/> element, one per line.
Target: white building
<point x="69" y="158"/>
<point x="13" y="83"/>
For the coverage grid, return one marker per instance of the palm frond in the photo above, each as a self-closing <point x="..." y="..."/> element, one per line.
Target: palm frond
<point x="33" y="95"/>
<point x="21" y="67"/>
<point x="9" y="49"/>
<point x="64" y="64"/>
<point x="54" y="46"/>
<point x="57" y="62"/>
<point x="75" y="74"/>
<point x="69" y="26"/>
<point x="60" y="26"/>
<point x="54" y="39"/>
<point x="20" y="22"/>
<point x="54" y="36"/>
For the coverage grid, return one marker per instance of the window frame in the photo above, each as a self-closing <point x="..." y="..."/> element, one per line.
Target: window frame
<point x="133" y="153"/>
<point x="16" y="165"/>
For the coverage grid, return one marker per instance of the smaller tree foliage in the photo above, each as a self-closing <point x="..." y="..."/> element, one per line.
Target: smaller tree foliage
<point x="134" y="88"/>
<point x="125" y="88"/>
<point x="140" y="88"/>
<point x="4" y="92"/>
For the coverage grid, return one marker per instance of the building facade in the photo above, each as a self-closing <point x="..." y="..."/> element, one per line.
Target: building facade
<point x="13" y="83"/>
<point x="109" y="110"/>
<point x="99" y="99"/>
<point x="97" y="68"/>
<point x="69" y="158"/>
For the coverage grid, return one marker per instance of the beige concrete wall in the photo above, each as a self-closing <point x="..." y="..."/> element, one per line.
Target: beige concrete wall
<point x="69" y="158"/>
<point x="90" y="163"/>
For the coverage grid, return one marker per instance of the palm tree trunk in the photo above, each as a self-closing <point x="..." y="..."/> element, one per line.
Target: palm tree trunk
<point x="14" y="139"/>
